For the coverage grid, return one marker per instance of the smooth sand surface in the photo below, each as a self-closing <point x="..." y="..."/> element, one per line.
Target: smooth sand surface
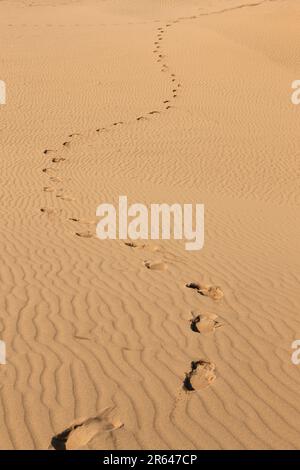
<point x="162" y="101"/>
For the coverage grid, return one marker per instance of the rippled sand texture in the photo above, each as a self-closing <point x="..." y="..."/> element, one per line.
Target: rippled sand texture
<point x="162" y="101"/>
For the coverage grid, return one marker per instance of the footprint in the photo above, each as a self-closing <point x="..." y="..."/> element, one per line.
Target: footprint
<point x="66" y="144"/>
<point x="81" y="432"/>
<point x="133" y="245"/>
<point x="200" y="376"/>
<point x="205" y="324"/>
<point x="45" y="152"/>
<point x="65" y="198"/>
<point x="153" y="112"/>
<point x="82" y="221"/>
<point x="159" y="266"/>
<point x="214" y="292"/>
<point x="48" y="189"/>
<point x="48" y="210"/>
<point x="150" y="247"/>
<point x="84" y="338"/>
<point x="46" y="170"/>
<point x="57" y="159"/>
<point x="86" y="234"/>
<point x="55" y="179"/>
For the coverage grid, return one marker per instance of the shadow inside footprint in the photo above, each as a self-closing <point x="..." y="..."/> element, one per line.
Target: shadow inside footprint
<point x="200" y="376"/>
<point x="80" y="433"/>
<point x="193" y="285"/>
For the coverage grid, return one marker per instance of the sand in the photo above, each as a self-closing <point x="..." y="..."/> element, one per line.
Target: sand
<point x="162" y="101"/>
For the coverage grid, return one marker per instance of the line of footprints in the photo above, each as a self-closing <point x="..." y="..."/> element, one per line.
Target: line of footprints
<point x="56" y="159"/>
<point x="201" y="372"/>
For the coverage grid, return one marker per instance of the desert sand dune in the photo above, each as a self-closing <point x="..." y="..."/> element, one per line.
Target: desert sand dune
<point x="162" y="101"/>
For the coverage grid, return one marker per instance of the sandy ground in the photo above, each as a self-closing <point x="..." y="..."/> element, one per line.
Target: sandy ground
<point x="86" y="324"/>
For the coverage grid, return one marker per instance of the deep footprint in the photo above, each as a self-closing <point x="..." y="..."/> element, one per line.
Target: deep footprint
<point x="214" y="292"/>
<point x="204" y="323"/>
<point x="80" y="433"/>
<point x="200" y="376"/>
